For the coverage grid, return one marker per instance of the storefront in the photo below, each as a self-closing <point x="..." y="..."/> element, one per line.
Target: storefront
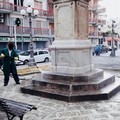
<point x="115" y="41"/>
<point x="23" y="43"/>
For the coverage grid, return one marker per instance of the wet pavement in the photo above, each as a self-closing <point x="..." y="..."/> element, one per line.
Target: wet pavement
<point x="50" y="109"/>
<point x="105" y="61"/>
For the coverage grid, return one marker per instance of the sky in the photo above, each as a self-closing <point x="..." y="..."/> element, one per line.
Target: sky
<point x="112" y="8"/>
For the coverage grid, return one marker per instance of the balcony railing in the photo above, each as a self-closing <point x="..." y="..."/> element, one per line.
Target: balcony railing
<point x="7" y="6"/>
<point x="93" y="34"/>
<point x="93" y="21"/>
<point x="102" y="22"/>
<point x="4" y="29"/>
<point x="26" y="30"/>
<point x="93" y="8"/>
<point x="41" y="12"/>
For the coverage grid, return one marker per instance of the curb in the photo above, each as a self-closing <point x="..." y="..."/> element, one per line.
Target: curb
<point x="110" y="68"/>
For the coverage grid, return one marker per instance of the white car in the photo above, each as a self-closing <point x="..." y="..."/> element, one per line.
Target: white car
<point x="39" y="55"/>
<point x="110" y="48"/>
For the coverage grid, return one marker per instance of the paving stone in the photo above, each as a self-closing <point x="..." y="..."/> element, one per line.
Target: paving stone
<point x="49" y="109"/>
<point x="115" y="114"/>
<point x="3" y="116"/>
<point x="101" y="116"/>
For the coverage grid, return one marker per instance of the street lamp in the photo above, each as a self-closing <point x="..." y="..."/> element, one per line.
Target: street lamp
<point x="113" y="49"/>
<point x="30" y="13"/>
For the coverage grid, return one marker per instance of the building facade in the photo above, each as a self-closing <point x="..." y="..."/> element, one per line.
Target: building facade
<point x="96" y="21"/>
<point x="42" y="26"/>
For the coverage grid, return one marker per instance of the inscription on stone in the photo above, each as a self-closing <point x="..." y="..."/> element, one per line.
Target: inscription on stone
<point x="85" y="55"/>
<point x="63" y="58"/>
<point x="64" y="20"/>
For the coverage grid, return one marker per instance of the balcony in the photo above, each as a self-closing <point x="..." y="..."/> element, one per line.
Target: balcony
<point x="94" y="35"/>
<point x="93" y="8"/>
<point x="93" y="22"/>
<point x="6" y="7"/>
<point x="25" y="31"/>
<point x="101" y="10"/>
<point x="41" y="12"/>
<point x="4" y="29"/>
<point x="101" y="21"/>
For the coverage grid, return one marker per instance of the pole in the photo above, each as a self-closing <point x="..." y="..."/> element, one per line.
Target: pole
<point x="113" y="49"/>
<point x="15" y="36"/>
<point x="32" y="60"/>
<point x="22" y="35"/>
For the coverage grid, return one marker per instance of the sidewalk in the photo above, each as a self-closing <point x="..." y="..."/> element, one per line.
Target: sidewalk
<point x="105" y="61"/>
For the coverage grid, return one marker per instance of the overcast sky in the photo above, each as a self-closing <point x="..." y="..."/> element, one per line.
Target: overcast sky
<point x="112" y="8"/>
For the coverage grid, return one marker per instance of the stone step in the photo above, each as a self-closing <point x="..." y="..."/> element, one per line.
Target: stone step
<point x="75" y="86"/>
<point x="88" y="76"/>
<point x="73" y="96"/>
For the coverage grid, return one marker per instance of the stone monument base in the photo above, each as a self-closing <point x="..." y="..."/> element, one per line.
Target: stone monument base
<point x="93" y="85"/>
<point x="73" y="57"/>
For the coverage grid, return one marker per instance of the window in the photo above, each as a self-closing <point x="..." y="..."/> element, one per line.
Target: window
<point x="26" y="53"/>
<point x="18" y="2"/>
<point x="2" y="18"/>
<point x="41" y="52"/>
<point x="35" y="53"/>
<point x="45" y="52"/>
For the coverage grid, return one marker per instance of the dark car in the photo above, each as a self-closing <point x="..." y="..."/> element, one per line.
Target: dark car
<point x="104" y="49"/>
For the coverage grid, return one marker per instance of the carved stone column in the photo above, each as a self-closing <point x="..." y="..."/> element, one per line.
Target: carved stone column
<point x="71" y="50"/>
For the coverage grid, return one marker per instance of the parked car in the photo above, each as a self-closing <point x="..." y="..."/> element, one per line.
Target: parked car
<point x="39" y="55"/>
<point x="110" y="48"/>
<point x="104" y="48"/>
<point x="18" y="51"/>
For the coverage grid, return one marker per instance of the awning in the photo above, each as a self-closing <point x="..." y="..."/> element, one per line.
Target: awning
<point x="110" y="39"/>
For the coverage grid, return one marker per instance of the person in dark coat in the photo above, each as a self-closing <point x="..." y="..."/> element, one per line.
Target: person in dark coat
<point x="9" y="55"/>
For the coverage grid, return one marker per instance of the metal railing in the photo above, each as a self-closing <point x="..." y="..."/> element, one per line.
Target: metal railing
<point x="6" y="5"/>
<point x="15" y="8"/>
<point x="4" y="29"/>
<point x="25" y="30"/>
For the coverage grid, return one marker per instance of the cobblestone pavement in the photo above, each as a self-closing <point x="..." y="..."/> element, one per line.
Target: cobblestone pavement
<point x="106" y="62"/>
<point x="50" y="109"/>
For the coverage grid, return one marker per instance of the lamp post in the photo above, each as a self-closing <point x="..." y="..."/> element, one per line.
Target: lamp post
<point x="113" y="49"/>
<point x="22" y="43"/>
<point x="30" y="13"/>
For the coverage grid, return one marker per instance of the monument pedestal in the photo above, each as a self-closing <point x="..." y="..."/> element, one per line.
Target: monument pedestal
<point x="73" y="57"/>
<point x="72" y="76"/>
<point x="93" y="85"/>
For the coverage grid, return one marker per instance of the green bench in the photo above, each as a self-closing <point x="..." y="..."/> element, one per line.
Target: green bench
<point x="15" y="109"/>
